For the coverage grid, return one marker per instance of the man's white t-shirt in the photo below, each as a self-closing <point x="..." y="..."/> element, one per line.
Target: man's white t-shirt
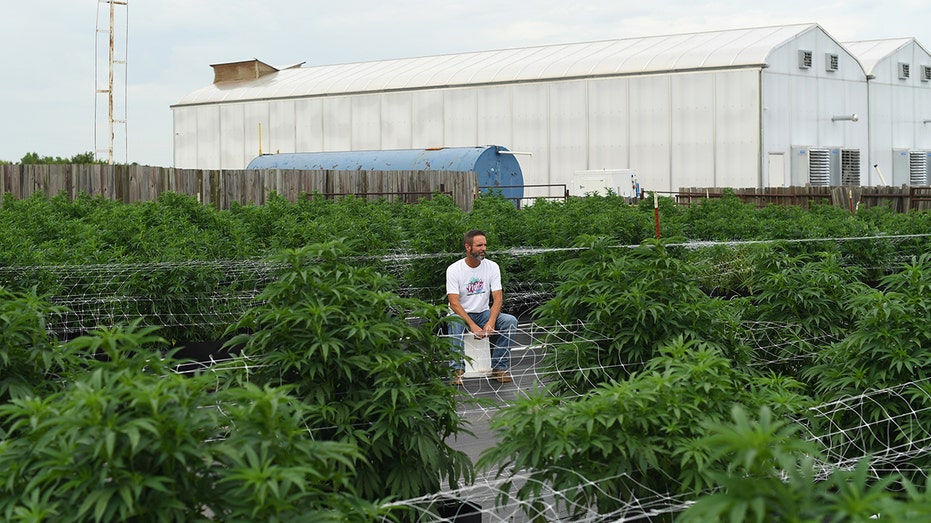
<point x="474" y="286"/>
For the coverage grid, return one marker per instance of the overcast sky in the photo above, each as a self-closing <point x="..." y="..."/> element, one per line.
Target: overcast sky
<point x="52" y="51"/>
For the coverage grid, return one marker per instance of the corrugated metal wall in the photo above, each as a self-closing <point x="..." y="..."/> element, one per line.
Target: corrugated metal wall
<point x="798" y="104"/>
<point x="898" y="125"/>
<point x="719" y="126"/>
<point x="658" y="125"/>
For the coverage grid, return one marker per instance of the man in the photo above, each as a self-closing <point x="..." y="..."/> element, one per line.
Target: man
<point x="473" y="286"/>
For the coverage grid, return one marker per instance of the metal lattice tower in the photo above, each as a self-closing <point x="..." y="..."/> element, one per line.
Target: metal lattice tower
<point x="113" y="86"/>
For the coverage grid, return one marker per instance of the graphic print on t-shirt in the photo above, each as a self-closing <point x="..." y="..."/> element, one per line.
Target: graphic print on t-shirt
<point x="475" y="286"/>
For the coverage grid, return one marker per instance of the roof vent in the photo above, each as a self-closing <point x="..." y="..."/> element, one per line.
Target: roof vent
<point x="830" y="62"/>
<point x="237" y="71"/>
<point x="804" y="59"/>
<point x="903" y="71"/>
<point x="926" y="73"/>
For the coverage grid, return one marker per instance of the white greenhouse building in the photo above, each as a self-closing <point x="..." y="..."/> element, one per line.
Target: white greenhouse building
<point x="899" y="82"/>
<point x="762" y="107"/>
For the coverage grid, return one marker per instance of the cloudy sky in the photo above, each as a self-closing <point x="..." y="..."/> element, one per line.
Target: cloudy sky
<point x="52" y="54"/>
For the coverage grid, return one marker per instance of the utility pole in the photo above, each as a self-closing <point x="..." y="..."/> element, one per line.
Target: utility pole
<point x="116" y="114"/>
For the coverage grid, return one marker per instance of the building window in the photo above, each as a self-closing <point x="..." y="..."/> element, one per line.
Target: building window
<point x="904" y="71"/>
<point x="926" y="73"/>
<point x="804" y="59"/>
<point x="831" y="62"/>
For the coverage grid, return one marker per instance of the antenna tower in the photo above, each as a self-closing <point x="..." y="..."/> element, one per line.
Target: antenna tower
<point x="111" y="85"/>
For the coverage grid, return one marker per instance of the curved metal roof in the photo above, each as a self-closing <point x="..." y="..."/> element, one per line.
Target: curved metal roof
<point x="717" y="49"/>
<point x="870" y="52"/>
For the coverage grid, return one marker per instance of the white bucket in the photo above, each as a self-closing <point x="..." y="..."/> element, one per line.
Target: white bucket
<point x="477" y="356"/>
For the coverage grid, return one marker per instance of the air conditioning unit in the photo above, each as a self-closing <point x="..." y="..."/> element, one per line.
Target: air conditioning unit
<point x="818" y="166"/>
<point x="910" y="167"/>
<point x="831" y="62"/>
<point x="850" y="167"/>
<point x="925" y="73"/>
<point x="904" y="71"/>
<point x="917" y="168"/>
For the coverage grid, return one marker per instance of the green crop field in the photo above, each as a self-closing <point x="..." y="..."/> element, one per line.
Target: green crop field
<point x="747" y="365"/>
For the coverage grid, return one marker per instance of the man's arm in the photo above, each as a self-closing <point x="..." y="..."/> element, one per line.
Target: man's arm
<point x="456" y="307"/>
<point x="497" y="297"/>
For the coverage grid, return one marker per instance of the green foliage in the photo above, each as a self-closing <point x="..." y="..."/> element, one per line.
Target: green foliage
<point x="885" y="221"/>
<point x="498" y="217"/>
<point x="638" y="436"/>
<point x="805" y="301"/>
<point x="129" y="439"/>
<point x="888" y="350"/>
<point x="725" y="218"/>
<point x="890" y="343"/>
<point x="729" y="218"/>
<point x="56" y="231"/>
<point x="763" y="471"/>
<point x="630" y="302"/>
<point x="272" y="470"/>
<point x="558" y="224"/>
<point x="670" y="334"/>
<point x="78" y="159"/>
<point x="435" y="225"/>
<point x="29" y="361"/>
<point x="724" y="270"/>
<point x="372" y="226"/>
<point x="747" y="459"/>
<point x="334" y="333"/>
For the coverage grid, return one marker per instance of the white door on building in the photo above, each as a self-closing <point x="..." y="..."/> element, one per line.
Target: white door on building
<point x="776" y="173"/>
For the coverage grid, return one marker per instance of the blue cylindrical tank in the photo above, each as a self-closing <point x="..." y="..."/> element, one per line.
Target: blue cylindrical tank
<point x="494" y="165"/>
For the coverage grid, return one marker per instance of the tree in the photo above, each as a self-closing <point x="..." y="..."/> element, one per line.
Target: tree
<point x="79" y="159"/>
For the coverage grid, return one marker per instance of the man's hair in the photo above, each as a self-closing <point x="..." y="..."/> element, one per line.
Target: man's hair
<point x="469" y="236"/>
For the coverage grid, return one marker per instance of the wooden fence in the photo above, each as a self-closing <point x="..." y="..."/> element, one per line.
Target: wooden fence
<point x="138" y="183"/>
<point x="901" y="198"/>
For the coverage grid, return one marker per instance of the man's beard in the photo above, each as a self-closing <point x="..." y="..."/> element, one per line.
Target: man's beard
<point x="477" y="256"/>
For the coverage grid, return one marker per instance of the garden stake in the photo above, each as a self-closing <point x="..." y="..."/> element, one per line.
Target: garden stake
<point x="656" y="213"/>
